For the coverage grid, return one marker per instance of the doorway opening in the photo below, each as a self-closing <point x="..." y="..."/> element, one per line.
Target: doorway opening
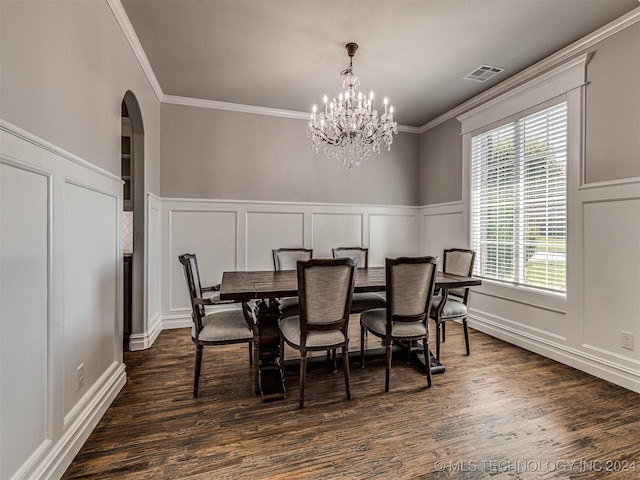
<point x="133" y="216"/>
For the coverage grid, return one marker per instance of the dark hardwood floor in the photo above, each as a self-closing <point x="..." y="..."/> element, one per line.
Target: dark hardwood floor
<point x="500" y="413"/>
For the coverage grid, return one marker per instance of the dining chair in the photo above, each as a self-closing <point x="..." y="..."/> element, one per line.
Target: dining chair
<point x="366" y="300"/>
<point x="325" y="289"/>
<point x="410" y="282"/>
<point x="458" y="261"/>
<point x="217" y="328"/>
<point x="285" y="259"/>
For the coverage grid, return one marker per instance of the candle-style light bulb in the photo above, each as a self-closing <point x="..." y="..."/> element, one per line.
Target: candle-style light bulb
<point x="324" y="100"/>
<point x="385" y="101"/>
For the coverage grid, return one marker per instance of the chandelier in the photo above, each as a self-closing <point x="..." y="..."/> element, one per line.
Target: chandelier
<point x="348" y="128"/>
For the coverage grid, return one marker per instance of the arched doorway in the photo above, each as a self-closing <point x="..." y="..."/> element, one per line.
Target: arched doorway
<point x="132" y="172"/>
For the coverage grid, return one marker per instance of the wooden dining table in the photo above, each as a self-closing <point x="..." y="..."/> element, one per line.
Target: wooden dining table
<point x="268" y="286"/>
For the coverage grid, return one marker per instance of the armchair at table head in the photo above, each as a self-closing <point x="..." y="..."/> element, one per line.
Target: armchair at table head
<point x="212" y="292"/>
<point x="366" y="300"/>
<point x="286" y="259"/>
<point x="325" y="288"/>
<point x="457" y="261"/>
<point x="410" y="282"/>
<point x="217" y="328"/>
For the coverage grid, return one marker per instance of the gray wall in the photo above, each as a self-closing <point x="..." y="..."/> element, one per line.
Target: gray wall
<point x="66" y="66"/>
<point x="208" y="153"/>
<point x="440" y="167"/>
<point x="613" y="108"/>
<point x="612" y="144"/>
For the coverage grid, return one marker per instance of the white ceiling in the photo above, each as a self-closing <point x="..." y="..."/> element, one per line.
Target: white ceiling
<point x="287" y="54"/>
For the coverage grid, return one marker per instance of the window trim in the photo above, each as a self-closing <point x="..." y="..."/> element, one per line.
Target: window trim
<point x="563" y="83"/>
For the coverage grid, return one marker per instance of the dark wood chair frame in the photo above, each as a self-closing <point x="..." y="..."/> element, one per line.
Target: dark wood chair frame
<point x="305" y="328"/>
<point x="441" y="322"/>
<point x="423" y="316"/>
<point x="276" y="251"/>
<point x="198" y="303"/>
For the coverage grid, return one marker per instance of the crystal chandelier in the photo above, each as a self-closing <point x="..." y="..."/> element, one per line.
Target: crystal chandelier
<point x="349" y="128"/>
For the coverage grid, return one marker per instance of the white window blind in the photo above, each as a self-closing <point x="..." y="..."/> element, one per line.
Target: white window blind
<point x="519" y="200"/>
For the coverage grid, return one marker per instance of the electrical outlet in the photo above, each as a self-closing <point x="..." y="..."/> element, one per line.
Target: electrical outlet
<point x="626" y="340"/>
<point x="79" y="376"/>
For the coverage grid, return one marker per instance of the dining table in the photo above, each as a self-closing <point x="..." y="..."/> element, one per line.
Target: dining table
<point x="268" y="286"/>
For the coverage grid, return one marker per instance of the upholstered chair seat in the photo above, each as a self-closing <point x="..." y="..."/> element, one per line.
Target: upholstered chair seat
<point x="229" y="325"/>
<point x="376" y="322"/>
<point x="289" y="307"/>
<point x="290" y="328"/>
<point x="366" y="301"/>
<point x="453" y="308"/>
<point x="361" y="301"/>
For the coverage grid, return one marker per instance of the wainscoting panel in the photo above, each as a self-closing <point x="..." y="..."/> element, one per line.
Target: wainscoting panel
<point x="612" y="274"/>
<point x="330" y="230"/>
<point x="211" y="235"/>
<point x="392" y="235"/>
<point x="442" y="228"/>
<point x="267" y="230"/>
<point x="536" y="321"/>
<point x="91" y="277"/>
<point x="25" y="296"/>
<point x="61" y="305"/>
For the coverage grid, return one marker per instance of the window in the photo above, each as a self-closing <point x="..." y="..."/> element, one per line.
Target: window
<point x="519" y="200"/>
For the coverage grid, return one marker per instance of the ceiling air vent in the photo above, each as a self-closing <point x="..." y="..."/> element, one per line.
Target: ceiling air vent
<point x="483" y="73"/>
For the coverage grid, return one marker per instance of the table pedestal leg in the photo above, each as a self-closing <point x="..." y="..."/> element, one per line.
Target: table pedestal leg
<point x="270" y="380"/>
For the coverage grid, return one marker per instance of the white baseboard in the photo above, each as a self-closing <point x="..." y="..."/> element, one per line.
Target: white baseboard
<point x="183" y="320"/>
<point x="142" y="341"/>
<point x="176" y="321"/>
<point x="65" y="449"/>
<point x="596" y="366"/>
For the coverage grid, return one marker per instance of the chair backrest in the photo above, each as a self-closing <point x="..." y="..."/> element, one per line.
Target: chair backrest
<point x="362" y="254"/>
<point x="192" y="276"/>
<point x="459" y="262"/>
<point x="325" y="289"/>
<point x="410" y="282"/>
<point x="286" y="258"/>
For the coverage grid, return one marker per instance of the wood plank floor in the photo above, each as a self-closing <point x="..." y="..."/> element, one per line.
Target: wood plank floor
<point x="500" y="413"/>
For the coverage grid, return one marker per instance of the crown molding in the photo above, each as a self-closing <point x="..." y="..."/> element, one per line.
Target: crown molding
<point x="529" y="73"/>
<point x="239" y="107"/>
<point x="523" y="76"/>
<point x="136" y="46"/>
<point x="234" y="107"/>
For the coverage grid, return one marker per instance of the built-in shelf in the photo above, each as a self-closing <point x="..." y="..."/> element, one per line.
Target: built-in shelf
<point x="126" y="164"/>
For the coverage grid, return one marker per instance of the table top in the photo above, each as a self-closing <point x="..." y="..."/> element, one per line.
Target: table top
<point x="245" y="286"/>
